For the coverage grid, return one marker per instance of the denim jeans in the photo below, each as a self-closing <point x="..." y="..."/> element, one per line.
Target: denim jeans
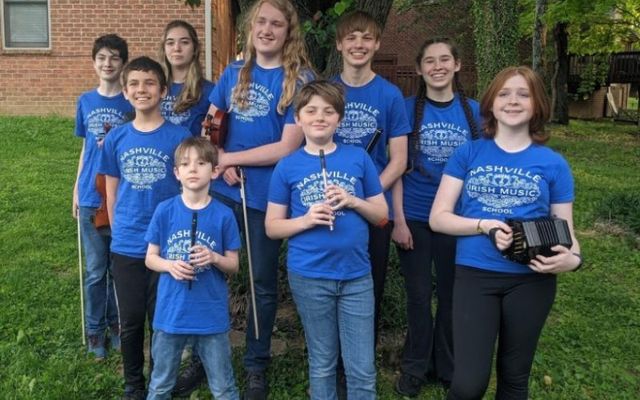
<point x="337" y="312"/>
<point x="100" y="308"/>
<point x="428" y="343"/>
<point x="215" y="353"/>
<point x="265" y="259"/>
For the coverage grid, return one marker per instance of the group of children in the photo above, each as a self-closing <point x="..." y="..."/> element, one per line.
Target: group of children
<point x="432" y="179"/>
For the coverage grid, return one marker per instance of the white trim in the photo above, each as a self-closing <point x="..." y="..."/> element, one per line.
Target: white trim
<point x="5" y="48"/>
<point x="208" y="56"/>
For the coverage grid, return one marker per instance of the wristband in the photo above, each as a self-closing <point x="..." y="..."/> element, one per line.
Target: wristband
<point x="478" y="229"/>
<point x="579" y="264"/>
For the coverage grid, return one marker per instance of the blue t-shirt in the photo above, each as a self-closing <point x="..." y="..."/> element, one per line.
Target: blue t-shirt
<point x="502" y="185"/>
<point x="254" y="126"/>
<point x="191" y="118"/>
<point x="203" y="309"/>
<point x="143" y="161"/>
<point x="94" y="114"/>
<point x="297" y="182"/>
<point x="378" y="104"/>
<point x="442" y="130"/>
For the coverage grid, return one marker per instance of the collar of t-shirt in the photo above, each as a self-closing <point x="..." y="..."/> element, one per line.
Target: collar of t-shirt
<point x="441" y="104"/>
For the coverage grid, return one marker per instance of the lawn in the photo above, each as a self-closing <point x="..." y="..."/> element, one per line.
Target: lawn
<point x="590" y="347"/>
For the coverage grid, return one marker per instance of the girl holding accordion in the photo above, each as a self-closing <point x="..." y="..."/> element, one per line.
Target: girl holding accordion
<point x="508" y="175"/>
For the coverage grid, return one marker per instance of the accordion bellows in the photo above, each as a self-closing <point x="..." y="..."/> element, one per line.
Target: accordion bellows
<point x="537" y="236"/>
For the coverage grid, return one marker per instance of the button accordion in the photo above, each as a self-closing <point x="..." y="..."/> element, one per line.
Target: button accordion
<point x="534" y="237"/>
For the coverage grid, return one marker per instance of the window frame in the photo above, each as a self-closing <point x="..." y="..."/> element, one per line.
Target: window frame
<point x="6" y="44"/>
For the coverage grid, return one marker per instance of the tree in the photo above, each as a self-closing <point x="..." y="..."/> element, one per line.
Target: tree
<point x="496" y="37"/>
<point x="538" y="41"/>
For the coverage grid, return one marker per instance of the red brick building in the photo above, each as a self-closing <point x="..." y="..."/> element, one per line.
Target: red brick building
<point x="44" y="72"/>
<point x="47" y="78"/>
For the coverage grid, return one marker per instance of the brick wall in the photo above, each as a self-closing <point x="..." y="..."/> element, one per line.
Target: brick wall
<point x="49" y="82"/>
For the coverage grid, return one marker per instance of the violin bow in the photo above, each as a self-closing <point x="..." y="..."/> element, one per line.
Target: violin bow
<point x="248" y="240"/>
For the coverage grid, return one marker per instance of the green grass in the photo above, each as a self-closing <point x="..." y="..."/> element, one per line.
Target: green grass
<point x="589" y="348"/>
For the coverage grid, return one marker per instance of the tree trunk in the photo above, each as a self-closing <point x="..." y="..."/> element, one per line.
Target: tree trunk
<point x="538" y="37"/>
<point x="496" y="37"/>
<point x="561" y="75"/>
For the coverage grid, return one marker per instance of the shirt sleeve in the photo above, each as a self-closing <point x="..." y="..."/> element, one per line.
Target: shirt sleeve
<point x="108" y="158"/>
<point x="218" y="95"/>
<point x="458" y="162"/>
<point x="399" y="122"/>
<point x="153" y="231"/>
<point x="80" y="129"/>
<point x="561" y="187"/>
<point x="279" y="192"/>
<point x="371" y="181"/>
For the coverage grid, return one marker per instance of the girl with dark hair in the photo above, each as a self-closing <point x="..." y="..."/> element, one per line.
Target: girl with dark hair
<point x="443" y="118"/>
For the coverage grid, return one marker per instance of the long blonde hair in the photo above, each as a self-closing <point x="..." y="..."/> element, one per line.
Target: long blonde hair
<point x="192" y="89"/>
<point x="296" y="64"/>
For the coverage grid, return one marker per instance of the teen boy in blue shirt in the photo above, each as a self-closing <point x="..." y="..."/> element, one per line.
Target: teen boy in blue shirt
<point x="98" y="110"/>
<point x="137" y="162"/>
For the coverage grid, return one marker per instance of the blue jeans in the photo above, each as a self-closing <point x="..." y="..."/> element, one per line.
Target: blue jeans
<point x="337" y="315"/>
<point x="215" y="353"/>
<point x="265" y="259"/>
<point x="100" y="308"/>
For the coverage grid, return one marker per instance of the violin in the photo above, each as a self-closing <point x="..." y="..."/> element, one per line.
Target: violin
<point x="216" y="128"/>
<point x="101" y="219"/>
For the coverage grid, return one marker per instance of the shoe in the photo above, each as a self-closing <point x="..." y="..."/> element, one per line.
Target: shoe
<point x="96" y="347"/>
<point x="257" y="386"/>
<point x="341" y="384"/>
<point x="114" y="337"/>
<point x="408" y="385"/>
<point x="191" y="377"/>
<point x="139" y="394"/>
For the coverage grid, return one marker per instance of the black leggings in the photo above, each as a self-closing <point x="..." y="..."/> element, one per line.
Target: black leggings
<point x="136" y="293"/>
<point x="379" y="244"/>
<point x="489" y="305"/>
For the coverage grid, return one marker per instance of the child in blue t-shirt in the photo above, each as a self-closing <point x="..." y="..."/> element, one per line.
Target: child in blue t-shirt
<point x="324" y="212"/>
<point x="187" y="100"/>
<point x="137" y="162"/>
<point x="443" y="119"/>
<point x="98" y="111"/>
<point x="372" y="103"/>
<point x="192" y="303"/>
<point x="508" y="175"/>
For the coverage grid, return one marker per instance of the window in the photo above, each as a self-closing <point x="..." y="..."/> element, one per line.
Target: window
<point x="26" y="24"/>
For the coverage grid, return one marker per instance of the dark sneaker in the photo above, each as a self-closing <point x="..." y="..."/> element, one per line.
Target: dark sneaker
<point x="139" y="394"/>
<point x="114" y="337"/>
<point x="191" y="377"/>
<point x="257" y="386"/>
<point x="341" y="384"/>
<point x="408" y="385"/>
<point x="96" y="347"/>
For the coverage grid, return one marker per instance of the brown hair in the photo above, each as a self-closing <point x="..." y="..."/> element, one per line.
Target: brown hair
<point x="330" y="92"/>
<point x="192" y="89"/>
<point x="357" y="21"/>
<point x="296" y="64"/>
<point x="203" y="147"/>
<point x="539" y="100"/>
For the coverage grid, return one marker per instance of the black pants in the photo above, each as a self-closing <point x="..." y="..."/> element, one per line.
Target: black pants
<point x="428" y="343"/>
<point x="489" y="305"/>
<point x="379" y="242"/>
<point x="136" y="294"/>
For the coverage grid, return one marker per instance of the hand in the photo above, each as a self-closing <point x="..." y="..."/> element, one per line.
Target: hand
<point x="181" y="270"/>
<point x="75" y="208"/>
<point x="338" y="198"/>
<point x="201" y="256"/>
<point x="231" y="176"/>
<point x="503" y="235"/>
<point x="100" y="142"/>
<point x="564" y="261"/>
<point x="318" y="214"/>
<point x="402" y="235"/>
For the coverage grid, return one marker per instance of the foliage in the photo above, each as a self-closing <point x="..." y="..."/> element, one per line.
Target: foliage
<point x="622" y="208"/>
<point x="587" y="350"/>
<point x="322" y="28"/>
<point x="496" y="38"/>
